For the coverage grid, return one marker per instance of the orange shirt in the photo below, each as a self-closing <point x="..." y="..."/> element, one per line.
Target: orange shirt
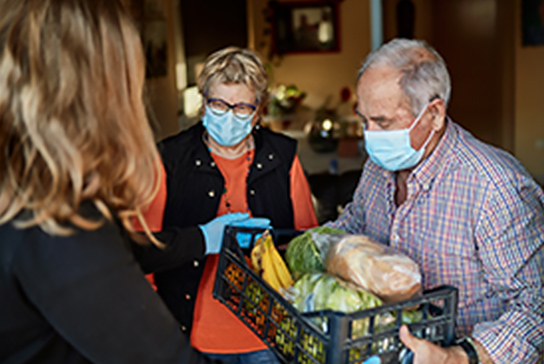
<point x="215" y="328"/>
<point x="154" y="214"/>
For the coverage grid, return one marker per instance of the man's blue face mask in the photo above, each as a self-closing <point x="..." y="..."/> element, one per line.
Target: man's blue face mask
<point x="226" y="129"/>
<point x="392" y="150"/>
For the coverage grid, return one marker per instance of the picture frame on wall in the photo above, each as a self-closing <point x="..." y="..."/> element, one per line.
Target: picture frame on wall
<point x="305" y="27"/>
<point x="532" y="22"/>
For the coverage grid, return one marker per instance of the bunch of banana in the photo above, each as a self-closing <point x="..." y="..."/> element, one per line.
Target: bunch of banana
<point x="268" y="263"/>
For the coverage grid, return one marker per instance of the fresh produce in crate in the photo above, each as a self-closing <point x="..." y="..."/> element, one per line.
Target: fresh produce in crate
<point x="322" y="291"/>
<point x="326" y="336"/>
<point x="268" y="263"/>
<point x="304" y="255"/>
<point x="350" y="286"/>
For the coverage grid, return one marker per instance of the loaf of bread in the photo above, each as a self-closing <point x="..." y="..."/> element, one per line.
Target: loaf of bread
<point x="375" y="267"/>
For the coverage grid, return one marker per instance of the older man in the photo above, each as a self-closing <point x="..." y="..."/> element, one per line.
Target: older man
<point x="466" y="212"/>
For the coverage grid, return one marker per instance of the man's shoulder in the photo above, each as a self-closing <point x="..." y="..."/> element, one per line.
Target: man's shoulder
<point x="374" y="176"/>
<point x="488" y="162"/>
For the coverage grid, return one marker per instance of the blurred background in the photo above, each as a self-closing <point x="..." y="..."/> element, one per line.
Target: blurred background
<point x="314" y="48"/>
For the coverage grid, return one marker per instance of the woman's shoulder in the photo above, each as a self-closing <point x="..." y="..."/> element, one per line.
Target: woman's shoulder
<point x="178" y="146"/>
<point x="276" y="140"/>
<point x="269" y="134"/>
<point x="55" y="257"/>
<point x="106" y="237"/>
<point x="269" y="143"/>
<point x="182" y="139"/>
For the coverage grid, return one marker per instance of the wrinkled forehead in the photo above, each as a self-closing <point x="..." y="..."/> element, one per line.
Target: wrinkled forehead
<point x="379" y="87"/>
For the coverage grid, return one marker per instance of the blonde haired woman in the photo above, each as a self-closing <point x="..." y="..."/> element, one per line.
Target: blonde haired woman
<point x="227" y="163"/>
<point x="77" y="164"/>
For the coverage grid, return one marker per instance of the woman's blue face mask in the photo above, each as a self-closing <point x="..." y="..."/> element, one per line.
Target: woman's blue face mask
<point x="392" y="149"/>
<point x="227" y="129"/>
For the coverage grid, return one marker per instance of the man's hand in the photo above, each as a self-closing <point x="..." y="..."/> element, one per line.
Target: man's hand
<point x="426" y="352"/>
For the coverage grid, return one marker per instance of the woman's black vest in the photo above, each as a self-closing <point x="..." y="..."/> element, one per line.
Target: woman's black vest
<point x="194" y="190"/>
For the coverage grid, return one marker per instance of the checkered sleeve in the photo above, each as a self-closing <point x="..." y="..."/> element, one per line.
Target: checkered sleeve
<point x="510" y="238"/>
<point x="352" y="219"/>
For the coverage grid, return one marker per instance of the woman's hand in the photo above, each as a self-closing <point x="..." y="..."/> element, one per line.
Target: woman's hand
<point x="426" y="352"/>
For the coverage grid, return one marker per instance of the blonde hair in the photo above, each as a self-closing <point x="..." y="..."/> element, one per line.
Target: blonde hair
<point x="73" y="126"/>
<point x="234" y="65"/>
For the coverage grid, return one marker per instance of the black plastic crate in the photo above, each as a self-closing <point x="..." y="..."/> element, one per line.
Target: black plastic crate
<point x="323" y="337"/>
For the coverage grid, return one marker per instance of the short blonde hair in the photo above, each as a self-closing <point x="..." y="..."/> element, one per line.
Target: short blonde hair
<point x="73" y="126"/>
<point x="234" y="65"/>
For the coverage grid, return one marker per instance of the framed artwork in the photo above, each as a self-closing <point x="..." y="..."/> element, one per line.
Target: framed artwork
<point x="305" y="27"/>
<point x="532" y="22"/>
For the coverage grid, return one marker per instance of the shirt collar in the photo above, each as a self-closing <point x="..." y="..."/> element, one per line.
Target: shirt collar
<point x="427" y="170"/>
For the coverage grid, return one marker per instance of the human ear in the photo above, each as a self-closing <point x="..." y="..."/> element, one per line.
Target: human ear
<point x="437" y="109"/>
<point x="258" y="113"/>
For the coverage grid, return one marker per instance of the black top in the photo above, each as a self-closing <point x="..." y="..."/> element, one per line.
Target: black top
<point x="194" y="191"/>
<point x="84" y="298"/>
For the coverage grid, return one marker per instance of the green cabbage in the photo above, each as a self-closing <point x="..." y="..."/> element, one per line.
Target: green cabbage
<point x="321" y="291"/>
<point x="303" y="255"/>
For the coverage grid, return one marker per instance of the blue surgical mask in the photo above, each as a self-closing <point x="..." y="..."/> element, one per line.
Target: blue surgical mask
<point x="392" y="150"/>
<point x="227" y="129"/>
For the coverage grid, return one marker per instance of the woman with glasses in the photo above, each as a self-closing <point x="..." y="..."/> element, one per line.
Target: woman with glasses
<point x="228" y="163"/>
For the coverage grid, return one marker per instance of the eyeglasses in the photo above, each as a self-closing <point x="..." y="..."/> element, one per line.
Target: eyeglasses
<point x="241" y="110"/>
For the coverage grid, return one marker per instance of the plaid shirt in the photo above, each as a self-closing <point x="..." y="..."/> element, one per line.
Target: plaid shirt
<point x="473" y="218"/>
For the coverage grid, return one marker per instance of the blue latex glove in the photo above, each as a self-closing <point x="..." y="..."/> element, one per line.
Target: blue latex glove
<point x="373" y="360"/>
<point x="244" y="239"/>
<point x="213" y="230"/>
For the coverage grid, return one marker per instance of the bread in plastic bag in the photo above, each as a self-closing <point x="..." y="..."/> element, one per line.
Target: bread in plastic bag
<point x="369" y="265"/>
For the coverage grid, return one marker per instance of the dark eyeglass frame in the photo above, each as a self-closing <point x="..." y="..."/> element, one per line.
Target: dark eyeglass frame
<point x="232" y="107"/>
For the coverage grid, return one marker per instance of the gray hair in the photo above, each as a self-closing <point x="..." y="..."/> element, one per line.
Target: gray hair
<point x="424" y="75"/>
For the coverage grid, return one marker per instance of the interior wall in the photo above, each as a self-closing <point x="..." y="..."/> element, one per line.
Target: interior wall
<point x="498" y="85"/>
<point x="529" y="102"/>
<point x="321" y="75"/>
<point x="506" y="32"/>
<point x="422" y="19"/>
<point x="470" y="35"/>
<point x="161" y="91"/>
<point x="464" y="33"/>
<point x="208" y="26"/>
<point x="516" y="120"/>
